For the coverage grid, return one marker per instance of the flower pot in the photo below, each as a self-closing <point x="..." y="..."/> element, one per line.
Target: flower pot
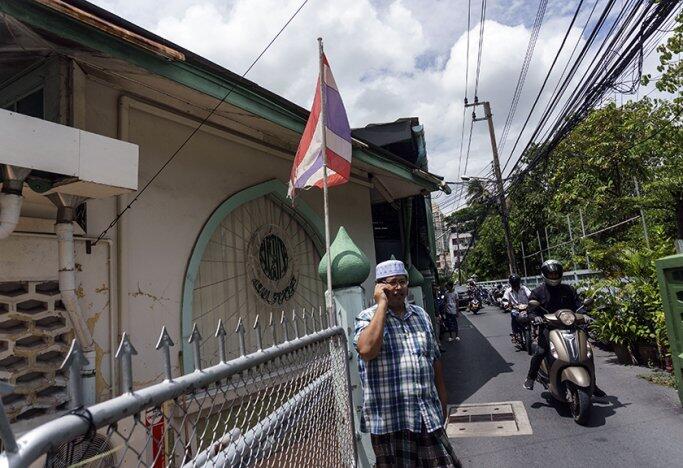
<point x="668" y="363"/>
<point x="624" y="355"/>
<point x="647" y="354"/>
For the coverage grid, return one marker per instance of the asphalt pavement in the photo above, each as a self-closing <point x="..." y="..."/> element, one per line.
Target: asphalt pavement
<point x="639" y="424"/>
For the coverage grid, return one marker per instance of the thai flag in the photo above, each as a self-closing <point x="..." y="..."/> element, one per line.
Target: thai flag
<point x="307" y="170"/>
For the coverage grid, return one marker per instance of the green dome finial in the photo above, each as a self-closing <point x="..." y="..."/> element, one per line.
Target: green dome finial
<point x="415" y="278"/>
<point x="350" y="266"/>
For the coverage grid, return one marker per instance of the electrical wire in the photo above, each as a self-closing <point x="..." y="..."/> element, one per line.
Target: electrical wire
<point x="198" y="127"/>
<point x="536" y="28"/>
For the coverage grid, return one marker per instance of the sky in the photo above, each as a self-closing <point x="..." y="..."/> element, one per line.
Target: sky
<point x="390" y="58"/>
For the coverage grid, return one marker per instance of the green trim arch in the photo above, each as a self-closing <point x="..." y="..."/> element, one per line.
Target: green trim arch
<point x="308" y="218"/>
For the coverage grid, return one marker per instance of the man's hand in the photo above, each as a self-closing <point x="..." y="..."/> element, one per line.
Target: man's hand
<point x="380" y="295"/>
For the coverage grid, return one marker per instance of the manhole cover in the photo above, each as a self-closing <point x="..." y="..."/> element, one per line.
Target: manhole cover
<point x="488" y="420"/>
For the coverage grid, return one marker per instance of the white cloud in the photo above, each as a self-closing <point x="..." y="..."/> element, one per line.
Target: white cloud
<point x="391" y="58"/>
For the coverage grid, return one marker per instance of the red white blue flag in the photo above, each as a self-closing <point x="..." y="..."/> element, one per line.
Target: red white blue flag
<point x="307" y="170"/>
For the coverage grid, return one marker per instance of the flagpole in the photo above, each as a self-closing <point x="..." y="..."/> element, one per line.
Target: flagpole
<point x="329" y="302"/>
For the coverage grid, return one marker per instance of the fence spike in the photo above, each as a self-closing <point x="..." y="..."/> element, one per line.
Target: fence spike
<point x="165" y="343"/>
<point x="240" y="332"/>
<point x="295" y="324"/>
<point x="6" y="434"/>
<point x="305" y="321"/>
<point x="196" y="340"/>
<point x="125" y="353"/>
<point x="273" y="328"/>
<point x="220" y="334"/>
<point x="259" y="338"/>
<point x="73" y="364"/>
<point x="322" y="320"/>
<point x="284" y="321"/>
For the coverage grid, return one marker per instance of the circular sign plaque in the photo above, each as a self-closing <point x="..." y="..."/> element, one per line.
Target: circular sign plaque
<point x="274" y="273"/>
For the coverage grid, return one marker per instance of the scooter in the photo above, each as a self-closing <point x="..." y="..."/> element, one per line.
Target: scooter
<point x="568" y="371"/>
<point x="505" y="304"/>
<point x="523" y="335"/>
<point x="475" y="305"/>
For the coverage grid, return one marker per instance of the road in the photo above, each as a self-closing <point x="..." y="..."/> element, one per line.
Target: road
<point x="639" y="424"/>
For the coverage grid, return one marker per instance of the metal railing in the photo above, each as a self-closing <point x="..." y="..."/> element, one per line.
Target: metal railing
<point x="569" y="277"/>
<point x="286" y="405"/>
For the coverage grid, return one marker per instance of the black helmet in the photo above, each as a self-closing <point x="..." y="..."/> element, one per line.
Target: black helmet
<point x="515" y="281"/>
<point x="551" y="270"/>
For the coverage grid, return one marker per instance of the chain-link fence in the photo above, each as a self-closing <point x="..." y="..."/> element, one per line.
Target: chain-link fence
<point x="287" y="405"/>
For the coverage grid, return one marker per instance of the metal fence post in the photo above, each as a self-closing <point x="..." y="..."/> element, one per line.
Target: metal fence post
<point x="571" y="243"/>
<point x="540" y="246"/>
<point x="583" y="236"/>
<point x="642" y="215"/>
<point x="6" y="433"/>
<point x="125" y="353"/>
<point x="73" y="364"/>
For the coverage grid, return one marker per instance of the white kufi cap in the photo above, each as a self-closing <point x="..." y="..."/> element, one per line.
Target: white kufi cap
<point x="390" y="268"/>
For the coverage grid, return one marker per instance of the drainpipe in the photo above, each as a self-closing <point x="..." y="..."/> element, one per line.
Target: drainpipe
<point x="10" y="198"/>
<point x="64" y="228"/>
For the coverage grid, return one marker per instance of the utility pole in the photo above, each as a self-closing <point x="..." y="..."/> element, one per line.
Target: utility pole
<point x="488" y="116"/>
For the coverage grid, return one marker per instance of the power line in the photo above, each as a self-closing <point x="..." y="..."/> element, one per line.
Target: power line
<point x="540" y="14"/>
<point x="198" y="127"/>
<point x="547" y="76"/>
<point x="637" y="24"/>
<point x="482" y="23"/>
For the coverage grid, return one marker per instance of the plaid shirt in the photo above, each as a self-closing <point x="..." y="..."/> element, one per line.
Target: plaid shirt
<point x="398" y="385"/>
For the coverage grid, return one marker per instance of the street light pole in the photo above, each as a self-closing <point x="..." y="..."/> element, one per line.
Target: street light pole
<point x="488" y="116"/>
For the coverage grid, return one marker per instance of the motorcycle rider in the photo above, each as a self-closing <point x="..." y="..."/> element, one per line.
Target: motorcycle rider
<point x="553" y="296"/>
<point x="472" y="289"/>
<point x="516" y="294"/>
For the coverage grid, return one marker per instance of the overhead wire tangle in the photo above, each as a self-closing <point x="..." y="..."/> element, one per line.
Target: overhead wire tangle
<point x="594" y="93"/>
<point x="547" y="76"/>
<point x="199" y="126"/>
<point x="597" y="58"/>
<point x="635" y="30"/>
<point x="562" y="75"/>
<point x="567" y="79"/>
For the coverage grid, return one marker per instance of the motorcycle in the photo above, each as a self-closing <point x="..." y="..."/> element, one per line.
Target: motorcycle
<point x="505" y="304"/>
<point x="474" y="306"/>
<point x="567" y="370"/>
<point x="523" y="335"/>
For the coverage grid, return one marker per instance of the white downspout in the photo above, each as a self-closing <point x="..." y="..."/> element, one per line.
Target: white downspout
<point x="67" y="288"/>
<point x="10" y="198"/>
<point x="64" y="228"/>
<point x="10" y="208"/>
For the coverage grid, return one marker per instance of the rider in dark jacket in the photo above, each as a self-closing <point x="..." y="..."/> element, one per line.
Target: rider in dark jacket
<point x="553" y="296"/>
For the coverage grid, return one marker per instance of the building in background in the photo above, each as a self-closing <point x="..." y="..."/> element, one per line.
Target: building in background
<point x="458" y="243"/>
<point x="213" y="236"/>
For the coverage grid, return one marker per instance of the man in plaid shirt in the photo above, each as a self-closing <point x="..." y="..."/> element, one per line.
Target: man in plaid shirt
<point x="403" y="389"/>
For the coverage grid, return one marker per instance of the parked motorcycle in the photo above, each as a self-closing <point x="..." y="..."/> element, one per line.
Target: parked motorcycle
<point x="568" y="370"/>
<point x="505" y="304"/>
<point x="475" y="305"/>
<point x="523" y="335"/>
